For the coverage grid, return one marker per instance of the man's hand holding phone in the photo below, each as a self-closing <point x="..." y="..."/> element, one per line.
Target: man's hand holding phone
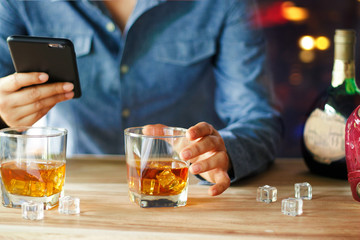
<point x="24" y="99"/>
<point x="46" y="74"/>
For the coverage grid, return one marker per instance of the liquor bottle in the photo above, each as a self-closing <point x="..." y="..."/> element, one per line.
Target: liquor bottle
<point x="323" y="140"/>
<point x="352" y="152"/>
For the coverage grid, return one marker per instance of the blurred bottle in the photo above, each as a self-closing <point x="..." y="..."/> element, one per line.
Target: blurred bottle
<point x="323" y="142"/>
<point x="352" y="151"/>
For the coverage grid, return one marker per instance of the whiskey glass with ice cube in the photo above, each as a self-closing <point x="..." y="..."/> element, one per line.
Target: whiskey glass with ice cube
<point x="156" y="175"/>
<point x="33" y="161"/>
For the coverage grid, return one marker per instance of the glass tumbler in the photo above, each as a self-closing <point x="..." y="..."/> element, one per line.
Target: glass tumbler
<point x="157" y="176"/>
<point x="33" y="161"/>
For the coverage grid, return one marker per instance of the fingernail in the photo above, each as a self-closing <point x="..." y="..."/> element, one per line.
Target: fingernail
<point x="195" y="168"/>
<point x="68" y="86"/>
<point x="186" y="154"/>
<point x="43" y="77"/>
<point x="190" y="134"/>
<point x="213" y="192"/>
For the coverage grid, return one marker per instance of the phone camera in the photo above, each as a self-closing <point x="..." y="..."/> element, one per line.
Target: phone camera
<point x="56" y="45"/>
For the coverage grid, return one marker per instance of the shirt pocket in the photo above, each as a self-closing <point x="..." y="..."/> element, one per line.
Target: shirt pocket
<point x="186" y="52"/>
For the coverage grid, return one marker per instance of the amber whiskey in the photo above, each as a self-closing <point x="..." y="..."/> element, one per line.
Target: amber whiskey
<point x="157" y="177"/>
<point x="33" y="179"/>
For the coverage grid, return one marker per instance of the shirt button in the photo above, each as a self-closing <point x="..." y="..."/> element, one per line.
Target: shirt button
<point x="110" y="26"/>
<point x="125" y="113"/>
<point x="124" y="69"/>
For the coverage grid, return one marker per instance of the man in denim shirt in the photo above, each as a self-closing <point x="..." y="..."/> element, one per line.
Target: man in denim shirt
<point x="194" y="64"/>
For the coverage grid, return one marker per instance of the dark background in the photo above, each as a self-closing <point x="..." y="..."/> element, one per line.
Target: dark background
<point x="298" y="83"/>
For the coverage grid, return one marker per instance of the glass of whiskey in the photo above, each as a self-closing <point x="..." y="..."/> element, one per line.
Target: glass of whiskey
<point x="156" y="175"/>
<point x="33" y="161"/>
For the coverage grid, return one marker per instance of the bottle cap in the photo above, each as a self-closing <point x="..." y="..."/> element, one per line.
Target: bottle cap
<point x="344" y="36"/>
<point x="344" y="44"/>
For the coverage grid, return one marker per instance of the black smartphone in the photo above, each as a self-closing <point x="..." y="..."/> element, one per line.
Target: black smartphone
<point x="54" y="56"/>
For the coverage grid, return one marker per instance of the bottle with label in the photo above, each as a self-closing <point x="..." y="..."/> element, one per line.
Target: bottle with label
<point x="323" y="140"/>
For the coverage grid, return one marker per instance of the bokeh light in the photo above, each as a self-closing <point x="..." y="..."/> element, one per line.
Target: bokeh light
<point x="306" y="56"/>
<point x="322" y="43"/>
<point x="292" y="13"/>
<point x="307" y="42"/>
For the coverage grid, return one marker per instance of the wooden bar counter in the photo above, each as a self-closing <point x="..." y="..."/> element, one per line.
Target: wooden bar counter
<point x="107" y="213"/>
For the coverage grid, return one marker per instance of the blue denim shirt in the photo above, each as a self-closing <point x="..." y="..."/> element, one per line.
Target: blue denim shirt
<point x="176" y="63"/>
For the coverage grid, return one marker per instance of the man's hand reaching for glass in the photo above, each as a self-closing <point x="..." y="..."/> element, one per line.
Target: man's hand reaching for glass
<point x="207" y="153"/>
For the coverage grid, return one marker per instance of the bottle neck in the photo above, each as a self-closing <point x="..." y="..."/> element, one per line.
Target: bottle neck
<point x="344" y="73"/>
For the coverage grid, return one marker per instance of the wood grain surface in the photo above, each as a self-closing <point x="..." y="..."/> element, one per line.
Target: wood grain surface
<point x="107" y="213"/>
